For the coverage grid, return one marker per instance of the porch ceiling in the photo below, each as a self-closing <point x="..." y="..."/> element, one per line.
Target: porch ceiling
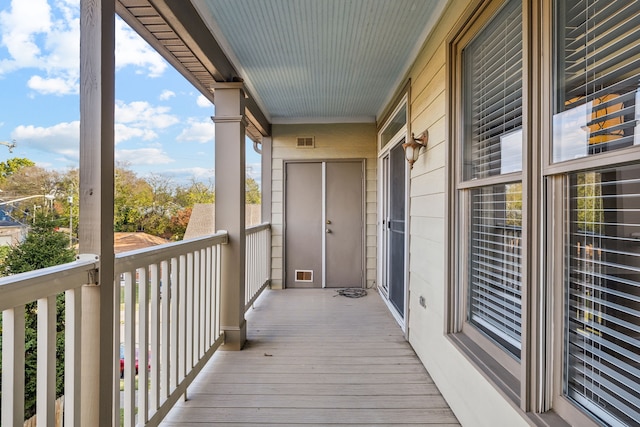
<point x="303" y="61"/>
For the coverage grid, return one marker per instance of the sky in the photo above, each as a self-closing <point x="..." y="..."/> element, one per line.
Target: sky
<point x="162" y="123"/>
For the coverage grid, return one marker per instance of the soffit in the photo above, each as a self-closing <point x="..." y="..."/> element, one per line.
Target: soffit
<point x="302" y="61"/>
<point x="321" y="60"/>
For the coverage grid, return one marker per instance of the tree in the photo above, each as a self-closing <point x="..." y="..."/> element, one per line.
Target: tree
<point x="132" y="196"/>
<point x="196" y="192"/>
<point x="179" y="223"/>
<point x="28" y="181"/>
<point x="252" y="192"/>
<point x="11" y="166"/>
<point x="43" y="247"/>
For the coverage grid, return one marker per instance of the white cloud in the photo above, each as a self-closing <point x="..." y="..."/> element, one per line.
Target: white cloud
<point x="198" y="131"/>
<point x="133" y="50"/>
<point x="203" y="102"/>
<point x="123" y="132"/>
<point x="62" y="139"/>
<point x="144" y="156"/>
<point x="197" y="173"/>
<point x="166" y="94"/>
<point x="19" y="27"/>
<point x="45" y="36"/>
<point x="53" y="86"/>
<point x="143" y="114"/>
<point x="44" y="39"/>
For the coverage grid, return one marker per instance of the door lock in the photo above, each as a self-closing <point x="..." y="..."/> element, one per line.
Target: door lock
<point x="328" y="221"/>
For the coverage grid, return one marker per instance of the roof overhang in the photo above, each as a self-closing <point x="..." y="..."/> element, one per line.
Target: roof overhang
<point x="176" y="31"/>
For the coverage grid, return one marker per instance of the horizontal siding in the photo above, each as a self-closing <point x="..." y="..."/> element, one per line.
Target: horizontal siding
<point x="332" y="141"/>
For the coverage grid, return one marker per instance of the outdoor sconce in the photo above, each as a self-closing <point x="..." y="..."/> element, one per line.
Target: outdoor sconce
<point x="412" y="148"/>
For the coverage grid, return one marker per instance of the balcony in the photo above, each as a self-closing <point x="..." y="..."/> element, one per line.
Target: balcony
<point x="311" y="356"/>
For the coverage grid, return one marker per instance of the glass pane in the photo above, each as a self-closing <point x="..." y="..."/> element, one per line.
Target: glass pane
<point x="602" y="303"/>
<point x="496" y="261"/>
<point x="397" y="228"/>
<point x="492" y="97"/>
<point x="598" y="75"/>
<point x="396" y="123"/>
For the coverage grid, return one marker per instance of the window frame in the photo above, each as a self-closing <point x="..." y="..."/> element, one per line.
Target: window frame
<point x="536" y="386"/>
<point x="506" y="372"/>
<point x="556" y="176"/>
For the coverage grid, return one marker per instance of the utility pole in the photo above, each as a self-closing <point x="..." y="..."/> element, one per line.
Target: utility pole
<point x="70" y="199"/>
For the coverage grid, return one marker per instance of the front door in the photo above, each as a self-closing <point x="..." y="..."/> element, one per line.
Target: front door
<point x="324" y="224"/>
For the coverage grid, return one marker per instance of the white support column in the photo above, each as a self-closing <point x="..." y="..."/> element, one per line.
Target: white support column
<point x="230" y="207"/>
<point x="95" y="228"/>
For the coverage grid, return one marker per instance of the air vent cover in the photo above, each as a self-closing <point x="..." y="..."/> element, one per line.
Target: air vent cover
<point x="304" y="275"/>
<point x="306" y="142"/>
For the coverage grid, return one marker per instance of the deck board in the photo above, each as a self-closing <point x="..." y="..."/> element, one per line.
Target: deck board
<point x="314" y="358"/>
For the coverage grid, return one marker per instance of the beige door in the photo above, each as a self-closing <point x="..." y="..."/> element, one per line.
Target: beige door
<point x="324" y="217"/>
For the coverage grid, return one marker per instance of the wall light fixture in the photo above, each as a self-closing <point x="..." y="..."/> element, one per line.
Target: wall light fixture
<point x="413" y="147"/>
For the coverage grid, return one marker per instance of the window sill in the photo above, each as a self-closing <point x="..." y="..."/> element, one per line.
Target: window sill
<point x="505" y="382"/>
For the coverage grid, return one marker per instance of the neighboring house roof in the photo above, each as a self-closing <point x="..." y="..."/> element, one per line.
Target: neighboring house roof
<point x="202" y="221"/>
<point x="9" y="223"/>
<point x="12" y="232"/>
<point x="124" y="242"/>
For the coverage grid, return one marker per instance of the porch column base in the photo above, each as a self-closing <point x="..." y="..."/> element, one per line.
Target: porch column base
<point x="234" y="337"/>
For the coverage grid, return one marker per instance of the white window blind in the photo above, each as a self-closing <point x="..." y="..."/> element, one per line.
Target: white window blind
<point x="602" y="335"/>
<point x="496" y="258"/>
<point x="493" y="96"/>
<point x="598" y="74"/>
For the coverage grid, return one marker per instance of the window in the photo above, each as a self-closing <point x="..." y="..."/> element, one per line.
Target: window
<point x="494" y="274"/>
<point x="492" y="150"/>
<point x="548" y="224"/>
<point x="597" y="76"/>
<point x="597" y="80"/>
<point x="602" y="303"/>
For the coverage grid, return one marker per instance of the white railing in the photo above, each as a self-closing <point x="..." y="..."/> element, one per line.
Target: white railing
<point x="170" y="325"/>
<point x="258" y="262"/>
<point x="43" y="286"/>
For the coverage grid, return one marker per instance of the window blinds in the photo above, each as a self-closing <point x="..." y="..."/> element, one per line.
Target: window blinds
<point x="492" y="99"/>
<point x="496" y="259"/>
<point x="493" y="87"/>
<point x="599" y="71"/>
<point x="602" y="336"/>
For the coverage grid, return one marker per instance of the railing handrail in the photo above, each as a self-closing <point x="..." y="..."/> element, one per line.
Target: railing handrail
<point x="22" y="288"/>
<point x="191" y="272"/>
<point x="258" y="228"/>
<point x="140" y="257"/>
<point x="257" y="262"/>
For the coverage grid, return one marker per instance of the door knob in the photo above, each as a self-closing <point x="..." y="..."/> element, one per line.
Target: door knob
<point x="328" y="231"/>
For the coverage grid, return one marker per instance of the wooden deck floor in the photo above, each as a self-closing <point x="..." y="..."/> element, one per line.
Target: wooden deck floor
<point x="314" y="357"/>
